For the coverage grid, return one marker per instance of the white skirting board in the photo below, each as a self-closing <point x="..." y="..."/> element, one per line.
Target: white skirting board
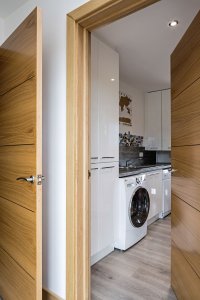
<point x="101" y="254"/>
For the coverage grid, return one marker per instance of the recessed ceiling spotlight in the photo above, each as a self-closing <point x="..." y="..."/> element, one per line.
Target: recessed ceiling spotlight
<point x="112" y="79"/>
<point x="173" y="23"/>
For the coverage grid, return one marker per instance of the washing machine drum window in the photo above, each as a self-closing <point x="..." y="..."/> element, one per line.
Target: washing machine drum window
<point x="139" y="207"/>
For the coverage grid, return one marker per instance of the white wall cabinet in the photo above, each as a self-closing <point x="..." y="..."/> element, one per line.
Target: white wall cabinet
<point x="158" y="121"/>
<point x="153" y="121"/>
<point x="166" y="120"/>
<point x="104" y="103"/>
<point x="154" y="183"/>
<point x="104" y="178"/>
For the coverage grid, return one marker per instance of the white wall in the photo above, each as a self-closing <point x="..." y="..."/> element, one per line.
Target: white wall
<point x="138" y="98"/>
<point x="54" y="134"/>
<point x="1" y="31"/>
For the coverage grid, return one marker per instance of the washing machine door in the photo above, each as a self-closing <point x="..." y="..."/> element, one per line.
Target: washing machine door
<point x="139" y="207"/>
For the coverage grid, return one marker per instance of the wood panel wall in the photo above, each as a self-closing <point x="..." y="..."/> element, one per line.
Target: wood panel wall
<point x="185" y="65"/>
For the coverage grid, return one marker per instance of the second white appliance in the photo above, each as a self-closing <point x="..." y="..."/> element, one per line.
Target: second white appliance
<point x="166" y="194"/>
<point x="131" y="211"/>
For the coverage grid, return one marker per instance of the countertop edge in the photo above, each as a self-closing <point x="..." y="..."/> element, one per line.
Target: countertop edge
<point x="144" y="170"/>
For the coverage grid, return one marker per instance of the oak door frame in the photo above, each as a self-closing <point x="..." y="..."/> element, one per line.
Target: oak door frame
<point x="80" y="23"/>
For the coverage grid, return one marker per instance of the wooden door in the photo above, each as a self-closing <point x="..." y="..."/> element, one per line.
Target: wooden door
<point x="20" y="156"/>
<point x="185" y="66"/>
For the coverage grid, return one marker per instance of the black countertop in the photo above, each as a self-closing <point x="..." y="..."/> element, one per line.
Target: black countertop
<point x="135" y="170"/>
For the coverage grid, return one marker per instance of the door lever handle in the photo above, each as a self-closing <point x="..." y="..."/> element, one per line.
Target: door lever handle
<point x="30" y="179"/>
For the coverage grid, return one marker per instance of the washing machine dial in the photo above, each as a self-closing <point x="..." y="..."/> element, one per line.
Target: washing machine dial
<point x="138" y="181"/>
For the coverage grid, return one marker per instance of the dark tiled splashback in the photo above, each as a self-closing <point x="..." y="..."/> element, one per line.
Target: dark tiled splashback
<point x="133" y="153"/>
<point x="128" y="139"/>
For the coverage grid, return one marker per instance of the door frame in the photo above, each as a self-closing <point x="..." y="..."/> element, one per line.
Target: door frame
<point x="80" y="23"/>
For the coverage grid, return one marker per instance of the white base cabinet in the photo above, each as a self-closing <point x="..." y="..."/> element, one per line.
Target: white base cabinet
<point x="104" y="183"/>
<point x="154" y="184"/>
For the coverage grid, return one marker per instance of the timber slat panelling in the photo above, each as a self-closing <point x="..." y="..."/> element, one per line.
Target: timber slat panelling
<point x="186" y="231"/>
<point x="186" y="179"/>
<point x="15" y="283"/>
<point x="18" y="55"/>
<point x="186" y="286"/>
<point x="18" y="115"/>
<point x="186" y="117"/>
<point x="18" y="161"/>
<point x="185" y="77"/>
<point x="185" y="60"/>
<point x="18" y="224"/>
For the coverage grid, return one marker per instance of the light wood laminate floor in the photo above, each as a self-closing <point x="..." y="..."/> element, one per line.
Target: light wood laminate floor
<point x="140" y="273"/>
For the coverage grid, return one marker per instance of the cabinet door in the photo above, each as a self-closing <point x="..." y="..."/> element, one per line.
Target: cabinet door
<point x="94" y="101"/>
<point x="154" y="182"/>
<point x="95" y="245"/>
<point x="166" y="120"/>
<point x="108" y="103"/>
<point x="153" y="121"/>
<point x="108" y="186"/>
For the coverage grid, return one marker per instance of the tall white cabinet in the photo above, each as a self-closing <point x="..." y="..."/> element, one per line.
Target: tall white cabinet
<point x="104" y="146"/>
<point x="158" y="120"/>
<point x="104" y="103"/>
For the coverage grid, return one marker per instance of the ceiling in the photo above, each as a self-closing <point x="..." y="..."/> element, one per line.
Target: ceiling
<point x="7" y="7"/>
<point x="145" y="42"/>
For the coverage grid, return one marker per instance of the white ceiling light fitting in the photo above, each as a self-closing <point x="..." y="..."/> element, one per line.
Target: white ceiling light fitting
<point x="173" y="23"/>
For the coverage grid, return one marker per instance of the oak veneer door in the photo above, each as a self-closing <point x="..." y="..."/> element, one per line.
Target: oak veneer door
<point x="185" y="66"/>
<point x="20" y="156"/>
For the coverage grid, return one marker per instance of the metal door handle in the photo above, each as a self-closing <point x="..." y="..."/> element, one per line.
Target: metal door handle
<point x="30" y="179"/>
<point x="107" y="168"/>
<point x="173" y="171"/>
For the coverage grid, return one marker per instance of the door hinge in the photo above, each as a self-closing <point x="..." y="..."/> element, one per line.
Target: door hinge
<point x="40" y="178"/>
<point x="89" y="174"/>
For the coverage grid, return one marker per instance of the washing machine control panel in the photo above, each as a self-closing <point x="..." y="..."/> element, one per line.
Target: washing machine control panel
<point x="135" y="181"/>
<point x="139" y="180"/>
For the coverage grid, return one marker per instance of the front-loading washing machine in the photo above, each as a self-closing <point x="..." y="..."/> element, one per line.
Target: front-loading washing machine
<point x="131" y="211"/>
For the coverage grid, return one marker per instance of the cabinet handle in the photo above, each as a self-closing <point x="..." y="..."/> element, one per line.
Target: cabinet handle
<point x="108" y="157"/>
<point x="94" y="157"/>
<point x="94" y="169"/>
<point x="108" y="167"/>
